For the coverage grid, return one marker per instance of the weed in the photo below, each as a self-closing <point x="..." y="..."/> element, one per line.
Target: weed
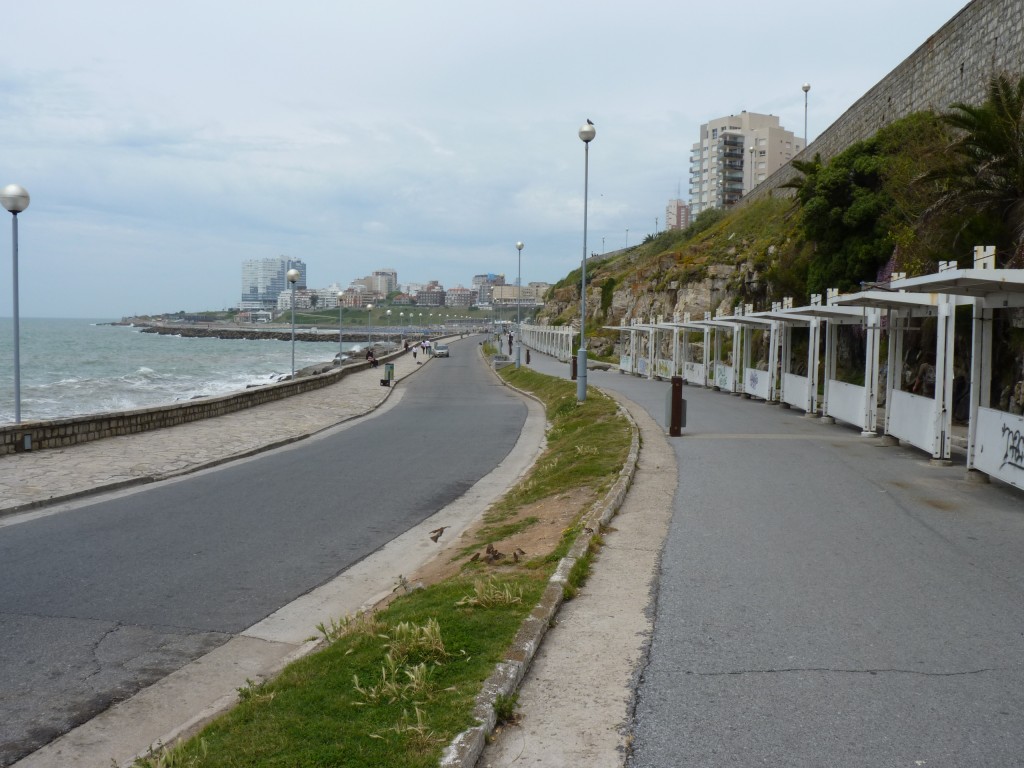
<point x="505" y="708"/>
<point x="254" y="691"/>
<point x="362" y="622"/>
<point x="487" y="594"/>
<point x="407" y="640"/>
<point x="180" y="756"/>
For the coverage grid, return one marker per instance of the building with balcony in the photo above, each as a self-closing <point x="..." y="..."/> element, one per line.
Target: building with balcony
<point x="734" y="154"/>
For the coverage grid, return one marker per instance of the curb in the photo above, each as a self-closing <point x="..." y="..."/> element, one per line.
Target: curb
<point x="465" y="749"/>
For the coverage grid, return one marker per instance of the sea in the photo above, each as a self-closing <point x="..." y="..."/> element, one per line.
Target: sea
<point x="77" y="367"/>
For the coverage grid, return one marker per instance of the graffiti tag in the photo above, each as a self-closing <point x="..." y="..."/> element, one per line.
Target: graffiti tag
<point x="1014" y="452"/>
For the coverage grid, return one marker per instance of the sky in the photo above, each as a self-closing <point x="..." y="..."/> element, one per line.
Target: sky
<point x="163" y="144"/>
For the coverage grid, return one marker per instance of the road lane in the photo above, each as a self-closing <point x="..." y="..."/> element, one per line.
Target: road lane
<point x="108" y="597"/>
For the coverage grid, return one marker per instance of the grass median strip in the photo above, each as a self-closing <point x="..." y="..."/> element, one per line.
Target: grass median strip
<point x="393" y="688"/>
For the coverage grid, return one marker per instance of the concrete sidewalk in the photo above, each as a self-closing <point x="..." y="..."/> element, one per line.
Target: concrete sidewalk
<point x="43" y="477"/>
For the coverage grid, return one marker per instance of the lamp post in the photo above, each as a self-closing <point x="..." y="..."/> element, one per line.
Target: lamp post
<point x="293" y="277"/>
<point x="15" y="199"/>
<point x="751" y="169"/>
<point x="806" y="87"/>
<point x="388" y="313"/>
<point x="519" y="304"/>
<point x="369" y="338"/>
<point x="341" y="343"/>
<point x="586" y="134"/>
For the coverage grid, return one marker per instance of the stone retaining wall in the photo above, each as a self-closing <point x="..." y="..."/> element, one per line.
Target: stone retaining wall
<point x="58" y="433"/>
<point x="953" y="65"/>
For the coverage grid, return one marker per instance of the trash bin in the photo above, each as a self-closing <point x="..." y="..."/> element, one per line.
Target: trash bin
<point x="389" y="371"/>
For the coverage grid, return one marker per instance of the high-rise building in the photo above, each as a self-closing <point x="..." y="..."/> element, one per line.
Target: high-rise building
<point x="734" y="155"/>
<point x="263" y="280"/>
<point x="677" y="214"/>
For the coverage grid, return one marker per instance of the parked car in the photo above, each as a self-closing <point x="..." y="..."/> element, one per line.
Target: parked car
<point x="441" y="350"/>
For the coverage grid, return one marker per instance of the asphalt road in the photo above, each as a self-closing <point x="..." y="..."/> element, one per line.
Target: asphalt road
<point x="824" y="599"/>
<point x="106" y="598"/>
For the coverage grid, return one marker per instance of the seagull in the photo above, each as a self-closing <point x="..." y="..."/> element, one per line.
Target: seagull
<point x="436" y="533"/>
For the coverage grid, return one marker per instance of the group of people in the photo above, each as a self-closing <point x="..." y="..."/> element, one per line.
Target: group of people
<point x="424" y="346"/>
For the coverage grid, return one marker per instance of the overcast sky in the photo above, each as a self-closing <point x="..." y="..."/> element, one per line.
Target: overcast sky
<point x="165" y="143"/>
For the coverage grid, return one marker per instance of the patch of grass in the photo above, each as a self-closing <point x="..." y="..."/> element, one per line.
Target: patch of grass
<point x="580" y="571"/>
<point x="393" y="687"/>
<point x="391" y="692"/>
<point x="587" y="442"/>
<point x="499" y="532"/>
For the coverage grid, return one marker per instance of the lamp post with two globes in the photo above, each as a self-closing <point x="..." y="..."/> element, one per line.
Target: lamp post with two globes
<point x="586" y="134"/>
<point x="15" y="199"/>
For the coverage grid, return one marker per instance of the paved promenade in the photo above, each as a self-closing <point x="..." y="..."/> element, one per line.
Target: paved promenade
<point x="42" y="477"/>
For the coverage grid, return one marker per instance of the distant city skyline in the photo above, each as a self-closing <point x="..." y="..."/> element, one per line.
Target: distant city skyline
<point x="265" y="288"/>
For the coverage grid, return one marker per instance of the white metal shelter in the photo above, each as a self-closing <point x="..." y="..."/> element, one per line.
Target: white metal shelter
<point x="554" y="340"/>
<point x="754" y="381"/>
<point x="692" y="367"/>
<point x="796" y="389"/>
<point x="923" y="421"/>
<point x="722" y="375"/>
<point x="995" y="439"/>
<point x="852" y="403"/>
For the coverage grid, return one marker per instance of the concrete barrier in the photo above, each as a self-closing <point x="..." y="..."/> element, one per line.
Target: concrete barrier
<point x="60" y="433"/>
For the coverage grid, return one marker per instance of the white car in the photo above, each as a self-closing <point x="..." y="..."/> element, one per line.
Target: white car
<point x="441" y="350"/>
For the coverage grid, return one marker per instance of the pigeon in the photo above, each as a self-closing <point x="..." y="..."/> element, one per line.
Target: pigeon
<point x="589" y="121"/>
<point x="436" y="533"/>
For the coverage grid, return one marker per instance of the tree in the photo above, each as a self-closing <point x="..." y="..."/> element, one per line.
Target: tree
<point x="843" y="212"/>
<point x="984" y="180"/>
<point x="314" y="299"/>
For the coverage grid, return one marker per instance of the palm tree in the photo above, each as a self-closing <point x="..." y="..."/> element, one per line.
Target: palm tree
<point x="985" y="178"/>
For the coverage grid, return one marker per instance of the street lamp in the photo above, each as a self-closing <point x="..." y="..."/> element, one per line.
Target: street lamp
<point x="519" y="303"/>
<point x="806" y="87"/>
<point x="341" y="343"/>
<point x="388" y="313"/>
<point x="369" y="338"/>
<point x="586" y="134"/>
<point x="751" y="169"/>
<point x="15" y="199"/>
<point x="293" y="277"/>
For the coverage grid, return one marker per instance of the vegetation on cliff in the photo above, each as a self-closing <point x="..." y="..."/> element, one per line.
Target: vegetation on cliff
<point x="925" y="188"/>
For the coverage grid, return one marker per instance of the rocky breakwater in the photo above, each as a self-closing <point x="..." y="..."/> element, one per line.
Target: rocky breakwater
<point x="191" y="331"/>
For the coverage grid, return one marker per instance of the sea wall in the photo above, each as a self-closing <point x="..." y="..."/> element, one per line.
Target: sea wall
<point x="953" y="65"/>
<point x="59" y="433"/>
